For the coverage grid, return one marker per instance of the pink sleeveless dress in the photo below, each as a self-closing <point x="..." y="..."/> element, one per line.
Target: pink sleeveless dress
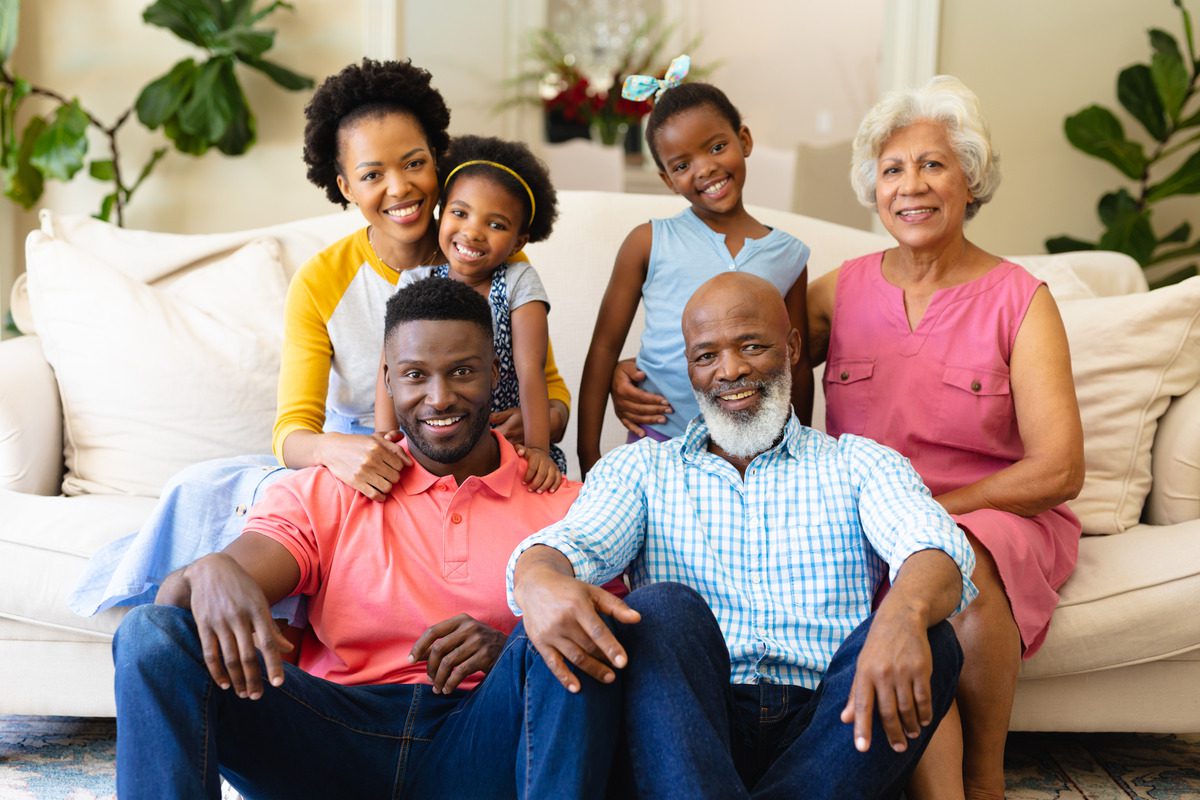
<point x="940" y="395"/>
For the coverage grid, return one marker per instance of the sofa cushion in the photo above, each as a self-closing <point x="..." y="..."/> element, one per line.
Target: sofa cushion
<point x="1130" y="600"/>
<point x="154" y="378"/>
<point x="45" y="543"/>
<point x="1130" y="355"/>
<point x="1058" y="273"/>
<point x="1175" y="495"/>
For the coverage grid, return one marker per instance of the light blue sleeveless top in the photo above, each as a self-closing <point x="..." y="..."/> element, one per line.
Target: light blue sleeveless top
<point x="684" y="254"/>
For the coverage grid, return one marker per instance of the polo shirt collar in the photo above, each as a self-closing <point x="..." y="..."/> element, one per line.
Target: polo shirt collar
<point x="502" y="481"/>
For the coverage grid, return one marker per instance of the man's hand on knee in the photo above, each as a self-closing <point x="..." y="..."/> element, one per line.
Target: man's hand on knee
<point x="892" y="675"/>
<point x="234" y="623"/>
<point x="562" y="619"/>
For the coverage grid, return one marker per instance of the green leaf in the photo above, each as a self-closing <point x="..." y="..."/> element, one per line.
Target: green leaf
<point x="1175" y="277"/>
<point x="1131" y="233"/>
<point x="1164" y="43"/>
<point x="23" y="183"/>
<point x="1179" y="252"/>
<point x="240" y="133"/>
<point x="1135" y="90"/>
<point x="244" y="41"/>
<point x="281" y="75"/>
<point x="1180" y="234"/>
<point x="266" y="11"/>
<point x="195" y="21"/>
<point x="59" y="150"/>
<point x="106" y="207"/>
<point x="10" y="17"/>
<point x="102" y="169"/>
<point x="1096" y="131"/>
<point x="236" y="12"/>
<point x="206" y="112"/>
<point x="1185" y="180"/>
<point x="161" y="98"/>
<point x="1114" y="205"/>
<point x="185" y="142"/>
<point x="1067" y="244"/>
<point x="1172" y="82"/>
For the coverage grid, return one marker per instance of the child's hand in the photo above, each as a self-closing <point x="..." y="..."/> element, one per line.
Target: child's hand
<point x="543" y="474"/>
<point x="632" y="405"/>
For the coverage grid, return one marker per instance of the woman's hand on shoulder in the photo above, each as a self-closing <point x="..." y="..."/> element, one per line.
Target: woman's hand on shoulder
<point x="370" y="464"/>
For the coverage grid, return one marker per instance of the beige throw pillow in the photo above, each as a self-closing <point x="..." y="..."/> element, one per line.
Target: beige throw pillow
<point x="153" y="378"/>
<point x="1130" y="355"/>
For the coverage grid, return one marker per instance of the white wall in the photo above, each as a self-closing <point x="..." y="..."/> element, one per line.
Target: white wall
<point x="1033" y="63"/>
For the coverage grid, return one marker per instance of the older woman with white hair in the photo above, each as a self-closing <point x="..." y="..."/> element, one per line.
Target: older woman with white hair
<point x="958" y="359"/>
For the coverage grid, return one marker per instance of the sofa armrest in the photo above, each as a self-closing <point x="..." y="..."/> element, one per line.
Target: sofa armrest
<point x="31" y="444"/>
<point x="1175" y="465"/>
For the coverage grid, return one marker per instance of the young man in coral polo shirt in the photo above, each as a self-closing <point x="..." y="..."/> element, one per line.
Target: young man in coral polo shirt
<point x="407" y="608"/>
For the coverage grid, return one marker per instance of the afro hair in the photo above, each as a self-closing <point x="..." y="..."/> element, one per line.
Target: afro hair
<point x="362" y="90"/>
<point x="517" y="157"/>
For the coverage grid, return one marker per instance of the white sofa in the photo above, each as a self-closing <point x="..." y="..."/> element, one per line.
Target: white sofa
<point x="1123" y="652"/>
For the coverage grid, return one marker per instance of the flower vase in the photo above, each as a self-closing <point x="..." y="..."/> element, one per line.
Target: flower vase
<point x="610" y="132"/>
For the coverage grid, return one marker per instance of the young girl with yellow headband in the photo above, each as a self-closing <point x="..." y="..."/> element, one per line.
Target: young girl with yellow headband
<point x="497" y="197"/>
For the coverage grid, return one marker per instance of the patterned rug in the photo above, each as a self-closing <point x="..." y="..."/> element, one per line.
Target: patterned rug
<point x="63" y="758"/>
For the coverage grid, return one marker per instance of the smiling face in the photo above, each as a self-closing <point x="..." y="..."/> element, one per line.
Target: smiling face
<point x="387" y="169"/>
<point x="440" y="375"/>
<point x="740" y="348"/>
<point x="921" y="191"/>
<point x="704" y="159"/>
<point x="480" y="227"/>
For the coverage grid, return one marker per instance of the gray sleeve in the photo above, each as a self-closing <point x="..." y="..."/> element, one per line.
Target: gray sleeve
<point x="524" y="286"/>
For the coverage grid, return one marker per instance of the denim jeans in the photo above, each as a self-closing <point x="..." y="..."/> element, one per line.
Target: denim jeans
<point x="689" y="733"/>
<point x="518" y="734"/>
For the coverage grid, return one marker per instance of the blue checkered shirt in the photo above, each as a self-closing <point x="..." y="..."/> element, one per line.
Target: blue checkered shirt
<point x="788" y="558"/>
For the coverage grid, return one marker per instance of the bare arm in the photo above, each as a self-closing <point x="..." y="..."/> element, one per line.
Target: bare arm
<point x="1051" y="471"/>
<point x="617" y="309"/>
<point x="821" y="293"/>
<point x="892" y="675"/>
<point x="530" y="334"/>
<point x="802" y="384"/>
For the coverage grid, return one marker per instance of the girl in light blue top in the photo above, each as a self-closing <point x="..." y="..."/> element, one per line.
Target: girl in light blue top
<point x="700" y="146"/>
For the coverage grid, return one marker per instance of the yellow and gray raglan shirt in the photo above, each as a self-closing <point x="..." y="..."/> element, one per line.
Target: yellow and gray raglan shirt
<point x="333" y="335"/>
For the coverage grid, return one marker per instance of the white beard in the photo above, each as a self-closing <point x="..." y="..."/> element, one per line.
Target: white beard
<point x="744" y="434"/>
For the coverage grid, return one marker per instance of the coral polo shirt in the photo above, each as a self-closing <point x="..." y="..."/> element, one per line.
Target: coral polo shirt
<point x="379" y="574"/>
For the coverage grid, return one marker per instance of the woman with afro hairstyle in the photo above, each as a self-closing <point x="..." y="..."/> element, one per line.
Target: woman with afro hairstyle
<point x="496" y="197"/>
<point x="374" y="136"/>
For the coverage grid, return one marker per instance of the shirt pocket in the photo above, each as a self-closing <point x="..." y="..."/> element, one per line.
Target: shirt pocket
<point x="826" y="571"/>
<point x="976" y="411"/>
<point x="849" y="390"/>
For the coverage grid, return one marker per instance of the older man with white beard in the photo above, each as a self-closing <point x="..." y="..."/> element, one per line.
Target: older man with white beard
<point x="753" y="664"/>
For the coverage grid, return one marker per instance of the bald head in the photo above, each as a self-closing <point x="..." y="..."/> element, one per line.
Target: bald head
<point x="734" y="296"/>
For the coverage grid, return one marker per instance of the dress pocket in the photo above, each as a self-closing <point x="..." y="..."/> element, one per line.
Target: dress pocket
<point x="976" y="411"/>
<point x="849" y="391"/>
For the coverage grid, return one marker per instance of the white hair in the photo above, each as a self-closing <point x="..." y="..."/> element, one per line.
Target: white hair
<point x="946" y="101"/>
<point x="745" y="434"/>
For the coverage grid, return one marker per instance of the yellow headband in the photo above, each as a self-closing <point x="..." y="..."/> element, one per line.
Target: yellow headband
<point x="520" y="180"/>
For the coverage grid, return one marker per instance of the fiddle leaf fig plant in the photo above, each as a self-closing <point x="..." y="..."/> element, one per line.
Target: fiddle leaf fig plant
<point x="199" y="104"/>
<point x="1160" y="96"/>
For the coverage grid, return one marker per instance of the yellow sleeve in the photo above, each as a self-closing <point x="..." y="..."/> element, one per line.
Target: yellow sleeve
<point x="307" y="349"/>
<point x="556" y="387"/>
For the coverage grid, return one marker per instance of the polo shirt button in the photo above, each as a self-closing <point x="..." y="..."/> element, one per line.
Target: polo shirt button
<point x="456" y="518"/>
<point x="845" y="375"/>
<point x="444" y="487"/>
<point x="976" y="386"/>
<point x="240" y="510"/>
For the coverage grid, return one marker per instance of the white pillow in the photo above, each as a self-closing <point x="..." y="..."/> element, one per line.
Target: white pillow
<point x="1130" y="355"/>
<point x="1060" y="278"/>
<point x="156" y="378"/>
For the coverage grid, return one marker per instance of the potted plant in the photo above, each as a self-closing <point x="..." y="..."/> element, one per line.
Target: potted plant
<point x="1160" y="96"/>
